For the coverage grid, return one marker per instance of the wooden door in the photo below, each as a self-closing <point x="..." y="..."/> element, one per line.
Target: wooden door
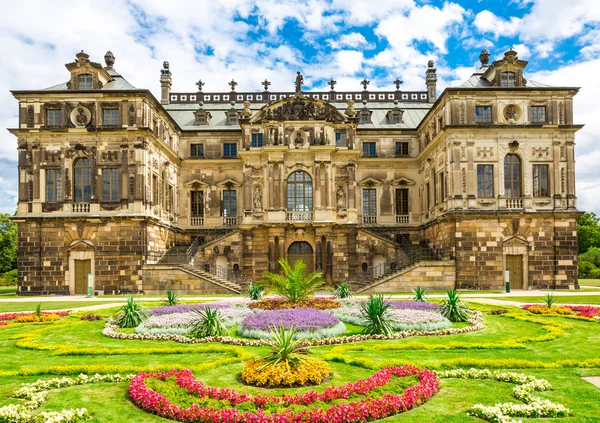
<point x="515" y="264"/>
<point x="82" y="268"/>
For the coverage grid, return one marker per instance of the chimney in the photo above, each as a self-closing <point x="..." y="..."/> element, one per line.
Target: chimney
<point x="430" y="81"/>
<point x="165" y="83"/>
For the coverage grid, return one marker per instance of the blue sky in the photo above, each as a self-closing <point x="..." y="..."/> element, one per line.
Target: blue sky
<point x="347" y="40"/>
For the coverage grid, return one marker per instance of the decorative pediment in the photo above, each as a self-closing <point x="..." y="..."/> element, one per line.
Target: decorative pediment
<point x="370" y="182"/>
<point x="298" y="108"/>
<point x="229" y="183"/>
<point x="403" y="181"/>
<point x="195" y="184"/>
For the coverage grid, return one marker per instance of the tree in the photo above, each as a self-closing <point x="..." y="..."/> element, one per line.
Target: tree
<point x="8" y="243"/>
<point x="588" y="231"/>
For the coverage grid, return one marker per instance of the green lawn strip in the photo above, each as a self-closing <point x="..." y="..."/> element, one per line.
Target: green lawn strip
<point x="566" y="300"/>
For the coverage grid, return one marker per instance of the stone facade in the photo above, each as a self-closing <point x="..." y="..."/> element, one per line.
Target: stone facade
<point x="377" y="188"/>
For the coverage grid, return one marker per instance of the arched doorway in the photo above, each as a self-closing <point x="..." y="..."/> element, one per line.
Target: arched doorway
<point x="301" y="250"/>
<point x="378" y="266"/>
<point x="221" y="267"/>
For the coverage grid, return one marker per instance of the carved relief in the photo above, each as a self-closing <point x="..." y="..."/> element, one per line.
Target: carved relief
<point x="540" y="152"/>
<point x="485" y="152"/>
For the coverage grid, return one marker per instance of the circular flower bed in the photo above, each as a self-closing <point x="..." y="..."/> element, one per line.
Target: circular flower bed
<point x="283" y="304"/>
<point x="243" y="408"/>
<point x="310" y="323"/>
<point x="306" y="372"/>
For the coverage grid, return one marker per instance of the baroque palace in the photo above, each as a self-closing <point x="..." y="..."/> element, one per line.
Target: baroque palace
<point x="204" y="191"/>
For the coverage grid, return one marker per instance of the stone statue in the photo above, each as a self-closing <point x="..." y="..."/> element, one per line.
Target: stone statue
<point x="257" y="198"/>
<point x="341" y="198"/>
<point x="81" y="118"/>
<point x="299" y="82"/>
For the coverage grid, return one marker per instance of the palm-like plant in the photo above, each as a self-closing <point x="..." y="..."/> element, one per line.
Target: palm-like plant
<point x="208" y="323"/>
<point x="131" y="314"/>
<point x="284" y="348"/>
<point x="172" y="299"/>
<point x="255" y="292"/>
<point x="375" y="313"/>
<point x="293" y="284"/>
<point x="343" y="291"/>
<point x="549" y="299"/>
<point x="419" y="294"/>
<point x="454" y="309"/>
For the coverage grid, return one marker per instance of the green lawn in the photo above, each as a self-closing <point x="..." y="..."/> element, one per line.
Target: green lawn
<point x="110" y="403"/>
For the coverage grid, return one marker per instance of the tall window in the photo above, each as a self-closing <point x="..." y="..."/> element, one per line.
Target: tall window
<point x="257" y="140"/>
<point x="402" y="201"/>
<point x="507" y="79"/>
<point x="538" y="114"/>
<point x="340" y="139"/>
<point x="230" y="150"/>
<point x="299" y="192"/>
<point x="53" y="185"/>
<point x="111" y="117"/>
<point x="512" y="176"/>
<point x="54" y="117"/>
<point x="483" y="114"/>
<point x="82" y="188"/>
<point x="155" y="189"/>
<point x="541" y="188"/>
<point x="369" y="202"/>
<point x="402" y="149"/>
<point x="197" y="203"/>
<point x="84" y="82"/>
<point x="110" y="184"/>
<point x="485" y="181"/>
<point x="229" y="203"/>
<point x="196" y="150"/>
<point x="369" y="149"/>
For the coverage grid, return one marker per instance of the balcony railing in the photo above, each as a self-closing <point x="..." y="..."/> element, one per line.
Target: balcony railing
<point x="231" y="221"/>
<point x="514" y="203"/>
<point x="402" y="218"/>
<point x="299" y="216"/>
<point x="197" y="221"/>
<point x="81" y="208"/>
<point x="368" y="219"/>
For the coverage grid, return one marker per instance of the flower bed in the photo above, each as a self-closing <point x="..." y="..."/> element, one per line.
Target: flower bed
<point x="401" y="319"/>
<point x="35" y="394"/>
<point x="309" y="322"/>
<point x="364" y="409"/>
<point x="185" y="308"/>
<point x="15" y="316"/>
<point x="178" y="323"/>
<point x="306" y="372"/>
<point x="283" y="304"/>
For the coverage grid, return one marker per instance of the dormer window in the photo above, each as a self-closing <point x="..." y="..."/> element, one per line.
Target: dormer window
<point x="507" y="79"/>
<point x="84" y="82"/>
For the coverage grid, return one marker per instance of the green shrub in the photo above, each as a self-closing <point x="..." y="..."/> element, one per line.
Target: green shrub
<point x="131" y="314"/>
<point x="419" y="294"/>
<point x="343" y="291"/>
<point x="255" y="292"/>
<point x="293" y="285"/>
<point x="208" y="323"/>
<point x="172" y="299"/>
<point x="453" y="308"/>
<point x="375" y="312"/>
<point x="585" y="267"/>
<point x="9" y="278"/>
<point x="595" y="274"/>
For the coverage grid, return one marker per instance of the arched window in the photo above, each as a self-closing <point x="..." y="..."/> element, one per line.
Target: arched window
<point x="512" y="176"/>
<point x="299" y="192"/>
<point x="82" y="188"/>
<point x="84" y="82"/>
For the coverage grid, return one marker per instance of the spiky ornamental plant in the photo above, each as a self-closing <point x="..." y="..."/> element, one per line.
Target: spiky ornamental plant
<point x="284" y="348"/>
<point x="293" y="284"/>
<point x="172" y="299"/>
<point x="131" y="314"/>
<point x="343" y="291"/>
<point x="549" y="300"/>
<point x="255" y="292"/>
<point x="419" y="294"/>
<point x="209" y="322"/>
<point x="453" y="308"/>
<point x="375" y="313"/>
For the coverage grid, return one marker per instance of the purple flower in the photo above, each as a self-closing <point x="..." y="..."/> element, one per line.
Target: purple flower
<point x="184" y="308"/>
<point x="304" y="319"/>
